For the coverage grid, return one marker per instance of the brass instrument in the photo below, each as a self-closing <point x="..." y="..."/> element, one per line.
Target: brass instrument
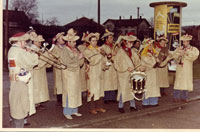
<point x="45" y="44"/>
<point x="47" y="59"/>
<point x="162" y="56"/>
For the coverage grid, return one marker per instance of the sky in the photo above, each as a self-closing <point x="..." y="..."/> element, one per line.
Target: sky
<point x="67" y="11"/>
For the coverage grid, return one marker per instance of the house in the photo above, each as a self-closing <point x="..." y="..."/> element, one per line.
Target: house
<point x="17" y="21"/>
<point x="140" y="27"/>
<point x="84" y="24"/>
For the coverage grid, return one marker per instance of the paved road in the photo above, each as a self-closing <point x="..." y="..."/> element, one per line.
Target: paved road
<point x="52" y="117"/>
<point x="184" y="117"/>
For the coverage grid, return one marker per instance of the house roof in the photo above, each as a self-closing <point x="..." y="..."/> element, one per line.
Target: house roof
<point x="126" y="22"/>
<point x="83" y="22"/>
<point x="16" y="16"/>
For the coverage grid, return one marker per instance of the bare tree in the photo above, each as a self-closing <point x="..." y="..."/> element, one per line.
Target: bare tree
<point x="52" y="21"/>
<point x="28" y="6"/>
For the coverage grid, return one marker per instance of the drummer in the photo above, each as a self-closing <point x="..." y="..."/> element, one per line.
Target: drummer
<point x="152" y="87"/>
<point x="124" y="66"/>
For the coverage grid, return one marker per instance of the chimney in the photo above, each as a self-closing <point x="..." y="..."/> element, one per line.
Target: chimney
<point x="138" y="12"/>
<point x="120" y="17"/>
<point x="16" y="9"/>
<point x="130" y="16"/>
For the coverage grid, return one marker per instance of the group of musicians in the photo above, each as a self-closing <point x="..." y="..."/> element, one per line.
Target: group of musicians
<point x="101" y="71"/>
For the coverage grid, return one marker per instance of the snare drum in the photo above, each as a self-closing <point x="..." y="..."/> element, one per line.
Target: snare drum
<point x="137" y="81"/>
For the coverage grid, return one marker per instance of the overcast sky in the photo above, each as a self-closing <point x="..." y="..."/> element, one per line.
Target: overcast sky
<point x="69" y="10"/>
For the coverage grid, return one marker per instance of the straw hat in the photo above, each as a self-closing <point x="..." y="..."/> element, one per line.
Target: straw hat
<point x="71" y="35"/>
<point x="85" y="37"/>
<point x="186" y="37"/>
<point x="107" y="33"/>
<point x="147" y="42"/>
<point x="21" y="36"/>
<point x="162" y="38"/>
<point x="94" y="35"/>
<point x="39" y="38"/>
<point x="58" y="36"/>
<point x="130" y="38"/>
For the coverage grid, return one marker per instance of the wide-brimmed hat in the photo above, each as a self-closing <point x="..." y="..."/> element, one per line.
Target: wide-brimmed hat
<point x="58" y="35"/>
<point x="85" y="37"/>
<point x="33" y="35"/>
<point x="71" y="35"/>
<point x="39" y="38"/>
<point x="186" y="37"/>
<point x="21" y="36"/>
<point x="147" y="41"/>
<point x="107" y="33"/>
<point x="130" y="38"/>
<point x="162" y="38"/>
<point x="94" y="35"/>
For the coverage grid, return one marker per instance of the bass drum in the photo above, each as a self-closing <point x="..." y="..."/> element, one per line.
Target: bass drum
<point x="137" y="82"/>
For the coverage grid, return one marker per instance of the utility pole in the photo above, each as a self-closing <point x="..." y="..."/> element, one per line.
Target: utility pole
<point x="5" y="62"/>
<point x="98" y="12"/>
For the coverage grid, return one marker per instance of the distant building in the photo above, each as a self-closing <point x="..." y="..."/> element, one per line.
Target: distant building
<point x="18" y="21"/>
<point x="140" y="27"/>
<point x="84" y="24"/>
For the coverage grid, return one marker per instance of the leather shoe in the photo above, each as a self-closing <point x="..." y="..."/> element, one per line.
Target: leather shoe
<point x="121" y="110"/>
<point x="133" y="108"/>
<point x="94" y="112"/>
<point x="68" y="117"/>
<point x="101" y="110"/>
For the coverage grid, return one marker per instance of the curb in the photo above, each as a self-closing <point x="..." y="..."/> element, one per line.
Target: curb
<point x="119" y="117"/>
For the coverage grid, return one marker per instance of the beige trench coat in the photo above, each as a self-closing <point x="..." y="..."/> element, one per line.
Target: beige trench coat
<point x="19" y="100"/>
<point x="152" y="85"/>
<point x="121" y="63"/>
<point x="26" y="60"/>
<point x="184" y="73"/>
<point x="162" y="75"/>
<point x="41" y="91"/>
<point x="57" y="73"/>
<point x="110" y="81"/>
<point x="71" y="79"/>
<point x="95" y="83"/>
<point x="82" y="48"/>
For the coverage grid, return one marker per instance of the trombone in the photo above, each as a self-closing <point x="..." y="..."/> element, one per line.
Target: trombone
<point x="57" y="64"/>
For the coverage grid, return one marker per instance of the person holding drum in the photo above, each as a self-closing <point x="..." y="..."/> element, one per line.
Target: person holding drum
<point x="148" y="58"/>
<point x="184" y="74"/>
<point x="124" y="66"/>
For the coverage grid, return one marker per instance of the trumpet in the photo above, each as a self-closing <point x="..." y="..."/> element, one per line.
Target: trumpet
<point x="57" y="64"/>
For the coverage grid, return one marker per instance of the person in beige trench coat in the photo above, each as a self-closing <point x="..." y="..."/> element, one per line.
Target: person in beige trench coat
<point x="20" y="57"/>
<point x="123" y="63"/>
<point x="95" y="80"/>
<point x="184" y="71"/>
<point x="57" y="47"/>
<point x="40" y="91"/>
<point x="152" y="93"/>
<point x="162" y="72"/>
<point x="110" y="82"/>
<point x="70" y="56"/>
<point x="82" y="48"/>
